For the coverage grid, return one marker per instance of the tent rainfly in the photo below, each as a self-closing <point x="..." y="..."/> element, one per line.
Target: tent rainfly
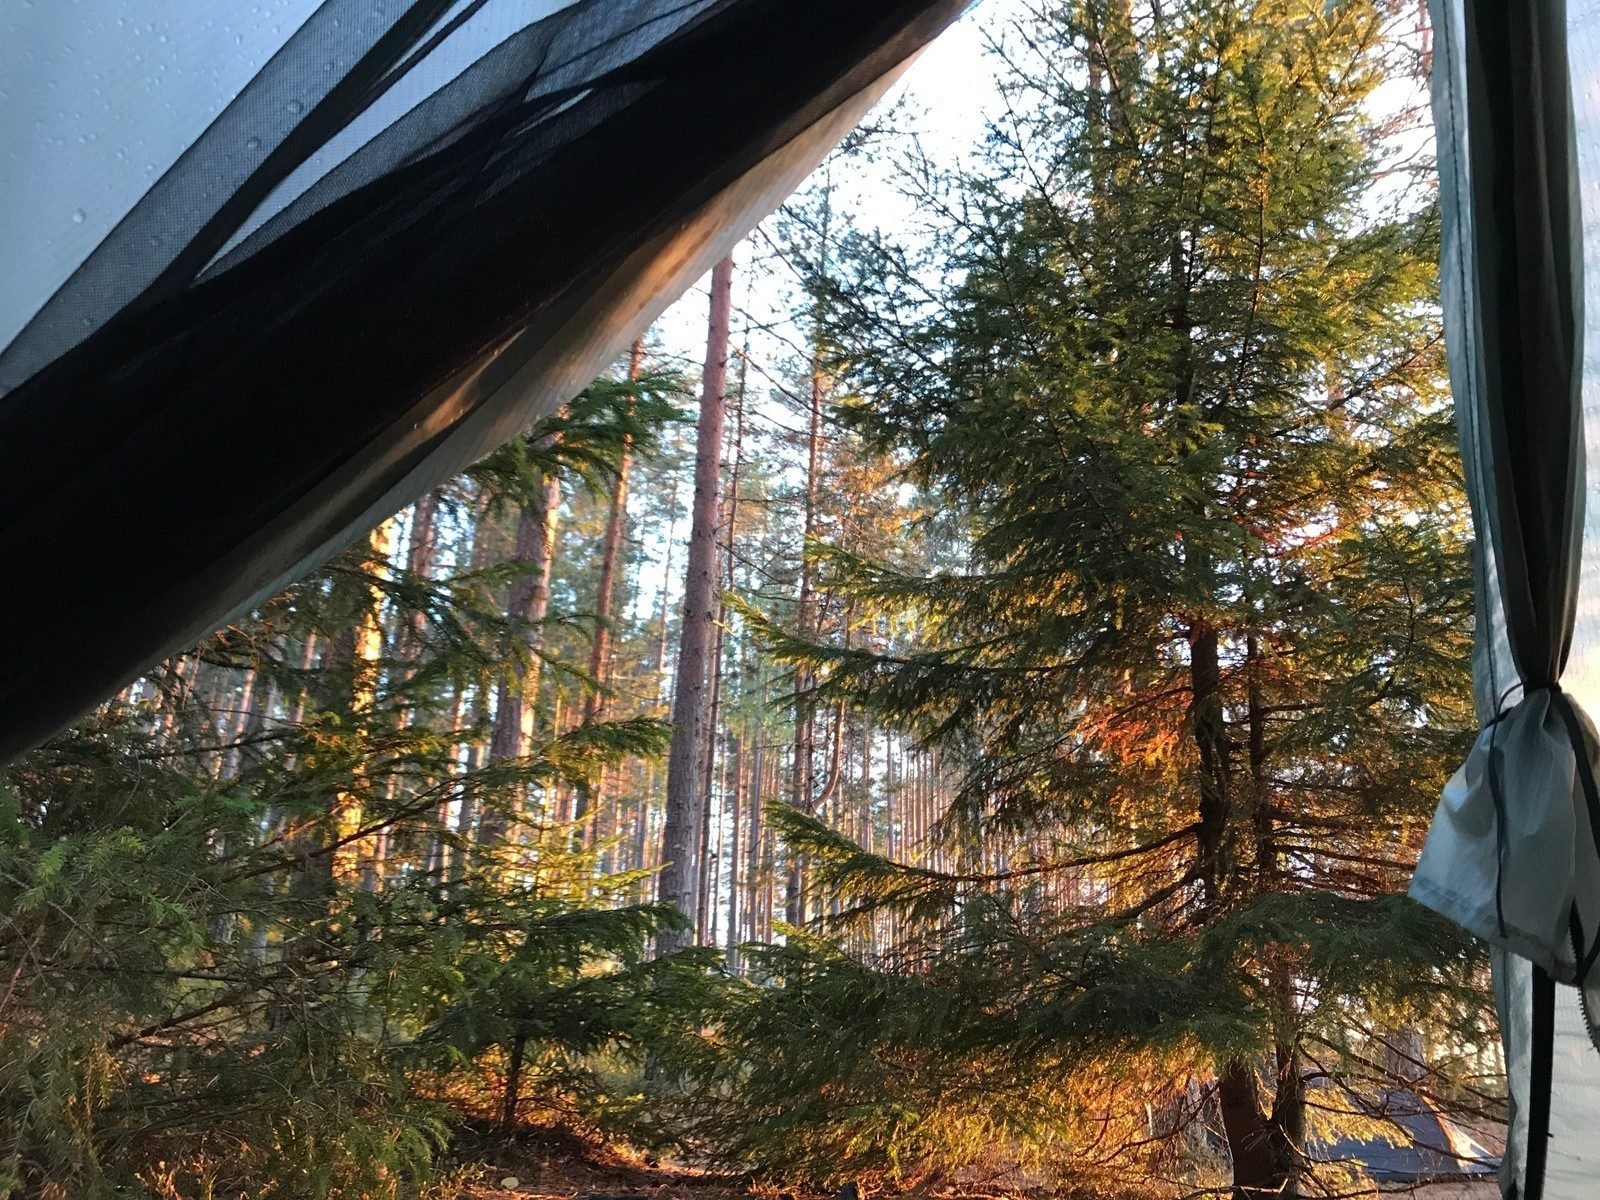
<point x="1420" y="1145"/>
<point x="272" y="271"/>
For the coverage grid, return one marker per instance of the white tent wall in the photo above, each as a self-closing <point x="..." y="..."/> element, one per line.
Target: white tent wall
<point x="69" y="105"/>
<point x="58" y="200"/>
<point x="1573" y="1167"/>
<point x="161" y="71"/>
<point x="1572" y="1154"/>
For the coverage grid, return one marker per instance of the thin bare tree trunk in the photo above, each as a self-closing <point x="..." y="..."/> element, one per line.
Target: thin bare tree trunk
<point x="366" y="655"/>
<point x="589" y="799"/>
<point x="243" y="722"/>
<point x="419" y="564"/>
<point x="171" y="692"/>
<point x="704" y="907"/>
<point x="753" y="873"/>
<point x="517" y="691"/>
<point x="735" y="847"/>
<point x="680" y="873"/>
<point x="802" y="780"/>
<point x="662" y="689"/>
<point x="467" y="711"/>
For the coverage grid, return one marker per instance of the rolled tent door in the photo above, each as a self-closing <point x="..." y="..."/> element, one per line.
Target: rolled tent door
<point x="275" y="270"/>
<point x="1514" y="851"/>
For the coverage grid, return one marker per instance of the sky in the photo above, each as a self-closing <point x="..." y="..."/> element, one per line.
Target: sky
<point x="945" y="96"/>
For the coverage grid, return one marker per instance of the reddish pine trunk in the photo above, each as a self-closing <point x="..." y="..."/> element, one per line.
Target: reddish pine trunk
<point x="1209" y="729"/>
<point x="1263" y="1145"/>
<point x="680" y="873"/>
<point x="365" y="653"/>
<point x="735" y="845"/>
<point x="419" y="564"/>
<point x="663" y="693"/>
<point x="528" y="605"/>
<point x="728" y="522"/>
<point x="754" y="882"/>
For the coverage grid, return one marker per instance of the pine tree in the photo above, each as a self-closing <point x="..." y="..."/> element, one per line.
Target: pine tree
<point x="683" y="831"/>
<point x="1175" y="359"/>
<point x="606" y="590"/>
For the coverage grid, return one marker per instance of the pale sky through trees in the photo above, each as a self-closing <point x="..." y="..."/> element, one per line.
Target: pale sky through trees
<point x="944" y="100"/>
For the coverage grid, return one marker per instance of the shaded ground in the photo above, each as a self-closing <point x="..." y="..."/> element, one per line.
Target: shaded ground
<point x="559" y="1166"/>
<point x="579" y="1183"/>
<point x="587" y="1183"/>
<point x="554" y="1166"/>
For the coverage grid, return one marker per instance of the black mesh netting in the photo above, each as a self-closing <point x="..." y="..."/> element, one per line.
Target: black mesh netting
<point x="286" y="338"/>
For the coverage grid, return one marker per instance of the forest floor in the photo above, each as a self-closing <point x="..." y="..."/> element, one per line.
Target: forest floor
<point x="556" y="1166"/>
<point x="580" y="1182"/>
<point x="542" y="1168"/>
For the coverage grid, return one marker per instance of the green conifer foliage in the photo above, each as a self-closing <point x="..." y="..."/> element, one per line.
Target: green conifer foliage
<point x="253" y="937"/>
<point x="1173" y="352"/>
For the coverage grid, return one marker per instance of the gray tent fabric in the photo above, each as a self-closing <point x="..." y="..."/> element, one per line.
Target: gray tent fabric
<point x="1420" y="1145"/>
<point x="1512" y="276"/>
<point x="1572" y="1152"/>
<point x="1514" y="851"/>
<point x="278" y="271"/>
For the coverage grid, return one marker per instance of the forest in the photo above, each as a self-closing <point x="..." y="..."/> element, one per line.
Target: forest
<point x="953" y="711"/>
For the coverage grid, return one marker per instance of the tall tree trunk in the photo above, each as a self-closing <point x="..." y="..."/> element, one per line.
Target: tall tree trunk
<point x="517" y="691"/>
<point x="1264" y="1158"/>
<point x="802" y="781"/>
<point x="409" y="634"/>
<point x="739" y="753"/>
<point x="711" y="850"/>
<point x="589" y="798"/>
<point x="365" y="653"/>
<point x="172" y="692"/>
<point x="1263" y="827"/>
<point x="508" y="1102"/>
<point x="420" y="556"/>
<point x="680" y="873"/>
<point x="245" y="720"/>
<point x="467" y="809"/>
<point x="662" y="690"/>
<point x="327" y="850"/>
<point x="706" y="907"/>
<point x="754" y="875"/>
<point x="729" y="524"/>
<point x="467" y="712"/>
<point x="1211" y="739"/>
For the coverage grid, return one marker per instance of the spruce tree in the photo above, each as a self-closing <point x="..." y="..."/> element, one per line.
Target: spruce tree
<point x="1173" y="354"/>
